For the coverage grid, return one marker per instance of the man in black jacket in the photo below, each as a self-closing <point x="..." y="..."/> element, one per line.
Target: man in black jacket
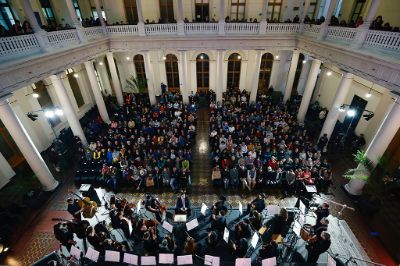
<point x="318" y="247"/>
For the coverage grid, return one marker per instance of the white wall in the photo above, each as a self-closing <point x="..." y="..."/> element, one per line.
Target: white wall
<point x="151" y="10"/>
<point x="6" y="172"/>
<point x="115" y="11"/>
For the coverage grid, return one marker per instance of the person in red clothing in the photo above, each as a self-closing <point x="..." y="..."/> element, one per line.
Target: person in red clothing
<point x="273" y="163"/>
<point x="225" y="163"/>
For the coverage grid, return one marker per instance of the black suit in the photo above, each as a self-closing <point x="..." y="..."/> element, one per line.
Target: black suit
<point x="258" y="203"/>
<point x="179" y="205"/>
<point x="316" y="249"/>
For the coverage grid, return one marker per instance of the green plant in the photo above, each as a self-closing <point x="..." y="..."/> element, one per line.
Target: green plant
<point x="136" y="85"/>
<point x="364" y="168"/>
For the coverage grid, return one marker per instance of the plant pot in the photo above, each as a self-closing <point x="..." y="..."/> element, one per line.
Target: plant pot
<point x="355" y="186"/>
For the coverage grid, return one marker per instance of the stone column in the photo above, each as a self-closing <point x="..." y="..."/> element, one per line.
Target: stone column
<point x="150" y="77"/>
<point x="26" y="146"/>
<point x="292" y="73"/>
<point x="221" y="22"/>
<point x="67" y="108"/>
<point x="182" y="69"/>
<point x="105" y="80"/>
<point x="181" y="24"/>
<point x="264" y="15"/>
<point x="100" y="15"/>
<point x="75" y="22"/>
<point x="115" y="79"/>
<point x="220" y="75"/>
<point x="334" y="113"/>
<point x="256" y="76"/>
<point x="308" y="90"/>
<point x="101" y="106"/>
<point x="362" y="30"/>
<point x="40" y="34"/>
<point x="140" y="18"/>
<point x="324" y="26"/>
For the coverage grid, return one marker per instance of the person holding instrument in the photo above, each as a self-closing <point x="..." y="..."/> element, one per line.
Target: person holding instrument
<point x="316" y="248"/>
<point x="257" y="204"/>
<point x="74" y="209"/>
<point x="220" y="205"/>
<point x="182" y="205"/>
<point x="153" y="205"/>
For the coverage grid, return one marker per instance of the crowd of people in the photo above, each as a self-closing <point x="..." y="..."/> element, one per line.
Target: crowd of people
<point x="261" y="144"/>
<point x="144" y="146"/>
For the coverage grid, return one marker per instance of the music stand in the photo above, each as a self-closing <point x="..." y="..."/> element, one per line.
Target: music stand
<point x="180" y="218"/>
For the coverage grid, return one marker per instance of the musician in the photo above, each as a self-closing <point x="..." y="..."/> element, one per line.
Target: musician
<point x="322" y="212"/>
<point x="315" y="249"/>
<point x="152" y="204"/>
<point x="64" y="234"/>
<point x="323" y="226"/>
<point x="257" y="204"/>
<point x="268" y="250"/>
<point x="191" y="247"/>
<point x="74" y="209"/>
<point x="167" y="245"/>
<point x="220" y="205"/>
<point x="212" y="240"/>
<point x="243" y="230"/>
<point x="277" y="225"/>
<point x="256" y="219"/>
<point x="218" y="222"/>
<point x="239" y="250"/>
<point x="150" y="244"/>
<point x="182" y="205"/>
<point x="93" y="238"/>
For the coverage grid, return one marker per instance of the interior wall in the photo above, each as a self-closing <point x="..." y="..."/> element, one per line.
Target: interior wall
<point x="115" y="11"/>
<point x="6" y="172"/>
<point x="151" y="10"/>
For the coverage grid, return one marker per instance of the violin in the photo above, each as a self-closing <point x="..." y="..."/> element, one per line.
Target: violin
<point x="89" y="208"/>
<point x="126" y="207"/>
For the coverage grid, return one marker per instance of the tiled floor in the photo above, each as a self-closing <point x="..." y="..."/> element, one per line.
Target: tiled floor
<point x="39" y="240"/>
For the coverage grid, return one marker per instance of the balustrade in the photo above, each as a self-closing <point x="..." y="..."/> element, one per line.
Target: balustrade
<point x="282" y="28"/>
<point x="62" y="38"/>
<point x="93" y="33"/>
<point x="161" y="29"/>
<point x="341" y="33"/>
<point x="123" y="30"/>
<point x="242" y="28"/>
<point x="383" y="39"/>
<point x="18" y="45"/>
<point x="312" y="30"/>
<point x="201" y="28"/>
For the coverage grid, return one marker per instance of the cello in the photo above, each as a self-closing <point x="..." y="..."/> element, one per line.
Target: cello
<point x="89" y="207"/>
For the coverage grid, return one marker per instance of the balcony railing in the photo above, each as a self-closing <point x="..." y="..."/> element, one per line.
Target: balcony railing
<point x="17" y="46"/>
<point x="201" y="28"/>
<point x="62" y="38"/>
<point x="383" y="39"/>
<point x="161" y="29"/>
<point x="123" y="30"/>
<point x="242" y="28"/>
<point x="21" y="45"/>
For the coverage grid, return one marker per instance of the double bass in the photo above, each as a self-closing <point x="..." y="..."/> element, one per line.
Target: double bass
<point x="89" y="207"/>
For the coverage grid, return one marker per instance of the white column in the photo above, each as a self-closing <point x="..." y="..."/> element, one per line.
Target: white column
<point x="308" y="90"/>
<point x="362" y="30"/>
<point x="101" y="106"/>
<point x="334" y="113"/>
<point x="115" y="79"/>
<point x="75" y="22"/>
<point x="40" y="34"/>
<point x="140" y="18"/>
<point x="324" y="26"/>
<point x="264" y="14"/>
<point x="182" y="69"/>
<point x="256" y="75"/>
<point x="100" y="15"/>
<point x="26" y="146"/>
<point x="181" y="24"/>
<point x="292" y="73"/>
<point x="221" y="22"/>
<point x="68" y="108"/>
<point x="220" y="75"/>
<point x="105" y="80"/>
<point x="6" y="171"/>
<point x="150" y="77"/>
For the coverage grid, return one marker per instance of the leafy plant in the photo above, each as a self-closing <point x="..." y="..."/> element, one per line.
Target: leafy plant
<point x="136" y="85"/>
<point x="364" y="168"/>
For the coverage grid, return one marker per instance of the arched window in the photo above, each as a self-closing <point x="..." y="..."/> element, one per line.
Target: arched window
<point x="171" y="68"/>
<point x="131" y="11"/>
<point x="203" y="72"/>
<point x="234" y="63"/>
<point x="265" y="71"/>
<point x="138" y="61"/>
<point x="300" y="64"/>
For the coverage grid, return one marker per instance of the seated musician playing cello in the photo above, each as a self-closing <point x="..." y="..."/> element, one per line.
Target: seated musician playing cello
<point x="277" y="225"/>
<point x="153" y="205"/>
<point x="257" y="204"/>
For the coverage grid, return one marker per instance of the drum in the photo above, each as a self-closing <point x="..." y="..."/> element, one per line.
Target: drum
<point x="305" y="232"/>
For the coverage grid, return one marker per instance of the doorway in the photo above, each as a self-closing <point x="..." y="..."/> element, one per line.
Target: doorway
<point x="358" y="104"/>
<point x="202" y="11"/>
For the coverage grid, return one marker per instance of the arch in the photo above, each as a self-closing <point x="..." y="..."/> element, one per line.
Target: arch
<point x="138" y="62"/>
<point x="203" y="72"/>
<point x="264" y="78"/>
<point x="171" y="69"/>
<point x="299" y="67"/>
<point x="234" y="65"/>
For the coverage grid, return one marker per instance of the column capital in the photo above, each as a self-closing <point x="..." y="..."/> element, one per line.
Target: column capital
<point x="109" y="54"/>
<point x="348" y="75"/>
<point x="296" y="51"/>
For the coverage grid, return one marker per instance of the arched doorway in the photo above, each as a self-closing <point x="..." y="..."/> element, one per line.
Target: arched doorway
<point x="234" y="64"/>
<point x="267" y="61"/>
<point x="299" y="67"/>
<point x="203" y="73"/>
<point x="171" y="69"/>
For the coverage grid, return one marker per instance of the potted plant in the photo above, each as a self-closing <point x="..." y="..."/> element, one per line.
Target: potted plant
<point x="359" y="176"/>
<point x="136" y="86"/>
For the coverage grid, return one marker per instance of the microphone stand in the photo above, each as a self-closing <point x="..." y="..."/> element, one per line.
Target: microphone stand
<point x="352" y="259"/>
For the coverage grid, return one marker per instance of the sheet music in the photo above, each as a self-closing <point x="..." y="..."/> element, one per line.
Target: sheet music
<point x="211" y="260"/>
<point x="240" y="208"/>
<point x="273" y="209"/>
<point x="254" y="240"/>
<point x="75" y="252"/>
<point x="311" y="189"/>
<point x="113" y="256"/>
<point x="203" y="209"/>
<point x="301" y="219"/>
<point x="243" y="262"/>
<point x="166" y="258"/>
<point x="331" y="261"/>
<point x="185" y="260"/>
<point x="131" y="259"/>
<point x="148" y="260"/>
<point x="180" y="218"/>
<point x="192" y="224"/>
<point x="167" y="226"/>
<point x="138" y="206"/>
<point x="297" y="228"/>
<point x="302" y="207"/>
<point x="226" y="235"/>
<point x="269" y="262"/>
<point x="92" y="254"/>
